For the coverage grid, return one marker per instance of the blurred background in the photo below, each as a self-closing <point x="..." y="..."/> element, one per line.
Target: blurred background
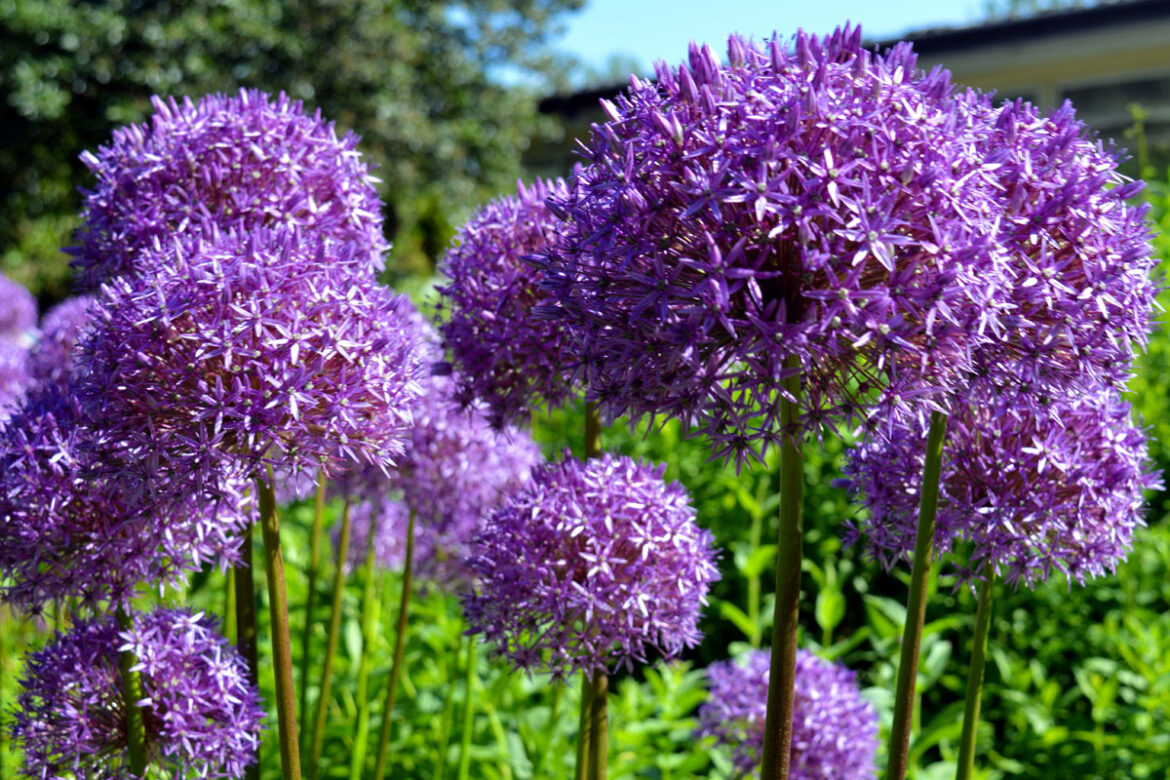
<point x="456" y="100"/>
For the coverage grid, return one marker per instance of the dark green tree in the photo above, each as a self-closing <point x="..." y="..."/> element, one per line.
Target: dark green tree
<point x="442" y="93"/>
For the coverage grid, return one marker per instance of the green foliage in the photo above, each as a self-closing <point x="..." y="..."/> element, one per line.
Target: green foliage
<point x="421" y="82"/>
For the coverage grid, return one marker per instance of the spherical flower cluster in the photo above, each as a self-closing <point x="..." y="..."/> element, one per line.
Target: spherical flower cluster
<point x="834" y="731"/>
<point x="52" y="357"/>
<point x="202" y="716"/>
<point x="1032" y="490"/>
<point x="18" y="312"/>
<point x="507" y="357"/>
<point x="387" y="519"/>
<point x="589" y="567"/>
<point x="240" y="162"/>
<point x="272" y="347"/>
<point x="14" y="377"/>
<point x="817" y="209"/>
<point x="87" y="524"/>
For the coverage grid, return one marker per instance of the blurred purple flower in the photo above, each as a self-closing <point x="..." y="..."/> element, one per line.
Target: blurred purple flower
<point x="18" y="312"/>
<point x="276" y="347"/>
<point x="590" y="566"/>
<point x="1032" y="489"/>
<point x="79" y="522"/>
<point x="505" y="356"/>
<point x="14" y="377"/>
<point x="388" y="520"/>
<point x="834" y="729"/>
<point x="239" y="162"/>
<point x="203" y="717"/>
<point x="52" y="357"/>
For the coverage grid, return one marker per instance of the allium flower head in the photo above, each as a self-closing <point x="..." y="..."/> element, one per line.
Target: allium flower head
<point x="387" y="519"/>
<point x="78" y="522"/>
<point x="241" y="162"/>
<point x="813" y="209"/>
<point x="52" y="357"/>
<point x="203" y="717"/>
<point x="506" y="357"/>
<point x="834" y="730"/>
<point x="14" y="377"/>
<point x="271" y="347"/>
<point x="18" y="312"/>
<point x="1032" y="490"/>
<point x="589" y="567"/>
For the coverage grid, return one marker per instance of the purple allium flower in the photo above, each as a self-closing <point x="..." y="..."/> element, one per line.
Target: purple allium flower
<point x="817" y="209"/>
<point x="272" y="347"/>
<point x="1032" y="489"/>
<point x="52" y="357"/>
<point x="506" y="357"/>
<point x="834" y="730"/>
<point x="14" y="377"/>
<point x="78" y="522"/>
<point x="589" y="566"/>
<point x="388" y="519"/>
<point x="203" y="717"/>
<point x="18" y="312"/>
<point x="240" y="162"/>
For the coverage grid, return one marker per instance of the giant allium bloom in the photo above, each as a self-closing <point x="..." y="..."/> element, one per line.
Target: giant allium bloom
<point x="506" y="357"/>
<point x="202" y="716"/>
<point x="14" y="377"/>
<point x="241" y="162"/>
<point x="275" y="346"/>
<point x="812" y="209"/>
<point x="1032" y="489"/>
<point x="18" y="312"/>
<point x="83" y="523"/>
<point x="52" y="357"/>
<point x="834" y="731"/>
<point x="590" y="567"/>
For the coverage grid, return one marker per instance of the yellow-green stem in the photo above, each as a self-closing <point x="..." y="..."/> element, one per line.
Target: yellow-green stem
<point x="314" y="758"/>
<point x="966" y="769"/>
<point x="311" y="596"/>
<point x="786" y="613"/>
<point x="468" y="712"/>
<point x="244" y="585"/>
<point x="899" y="746"/>
<point x="583" y="730"/>
<point x="132" y="694"/>
<point x="371" y="606"/>
<point x="399" y="646"/>
<point x="286" y="703"/>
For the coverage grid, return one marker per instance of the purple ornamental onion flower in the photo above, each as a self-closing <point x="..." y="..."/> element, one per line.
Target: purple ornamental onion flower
<point x="834" y="729"/>
<point x="241" y="162"/>
<point x="506" y="357"/>
<point x="388" y="520"/>
<point x="1032" y="489"/>
<point x="52" y="357"/>
<point x="81" y="523"/>
<point x="14" y="377"/>
<point x="18" y="312"/>
<point x="589" y="567"/>
<point x="203" y="717"/>
<point x="273" y="347"/>
<point x="816" y="209"/>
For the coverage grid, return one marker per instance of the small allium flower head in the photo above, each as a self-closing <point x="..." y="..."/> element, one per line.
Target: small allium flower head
<point x="14" y="377"/>
<point x="78" y="522"/>
<point x="813" y="208"/>
<point x="203" y="717"/>
<point x="589" y="567"/>
<point x="388" y="520"/>
<point x="18" y="312"/>
<point x="1032" y="489"/>
<point x="506" y="357"/>
<point x="834" y="729"/>
<point x="52" y="357"/>
<point x="271" y="347"/>
<point x="241" y="162"/>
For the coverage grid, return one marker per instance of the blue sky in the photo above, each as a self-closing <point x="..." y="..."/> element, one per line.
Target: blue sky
<point x="660" y="29"/>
